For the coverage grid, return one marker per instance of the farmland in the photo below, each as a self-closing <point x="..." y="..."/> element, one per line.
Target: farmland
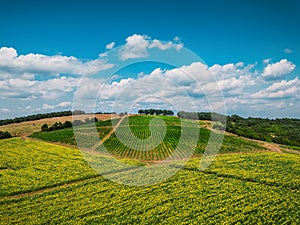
<point x="67" y="135"/>
<point x="28" y="127"/>
<point x="42" y="183"/>
<point x="139" y="126"/>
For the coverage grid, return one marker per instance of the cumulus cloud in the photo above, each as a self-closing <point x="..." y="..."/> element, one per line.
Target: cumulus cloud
<point x="278" y="70"/>
<point x="164" y="46"/>
<point x="137" y="46"/>
<point x="190" y="83"/>
<point x="59" y="105"/>
<point x="11" y="62"/>
<point x="45" y="79"/>
<point x="282" y="89"/>
<point x="184" y="86"/>
<point x="22" y="89"/>
<point x="110" y="45"/>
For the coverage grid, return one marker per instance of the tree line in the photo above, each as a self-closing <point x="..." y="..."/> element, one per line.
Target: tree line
<point x="41" y="116"/>
<point x="202" y="116"/>
<point x="282" y="131"/>
<point x="156" y="112"/>
<point x="67" y="124"/>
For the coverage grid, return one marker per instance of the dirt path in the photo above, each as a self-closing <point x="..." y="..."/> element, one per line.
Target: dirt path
<point x="93" y="148"/>
<point x="271" y="146"/>
<point x="291" y="151"/>
<point x="84" y="180"/>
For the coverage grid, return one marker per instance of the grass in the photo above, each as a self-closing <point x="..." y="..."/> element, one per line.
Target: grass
<point x="256" y="188"/>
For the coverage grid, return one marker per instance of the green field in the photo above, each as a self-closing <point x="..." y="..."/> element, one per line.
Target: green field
<point x="58" y="187"/>
<point x="139" y="126"/>
<point x="67" y="135"/>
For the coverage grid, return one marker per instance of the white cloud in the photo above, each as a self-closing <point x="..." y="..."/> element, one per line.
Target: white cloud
<point x="267" y="61"/>
<point x="165" y="46"/>
<point x="239" y="64"/>
<point x="59" y="105"/>
<point x="282" y="89"/>
<point x="162" y="46"/>
<point x="31" y="63"/>
<point x="22" y="89"/>
<point x="110" y="45"/>
<point x="181" y="86"/>
<point x="5" y="110"/>
<point x="288" y="51"/>
<point x="137" y="46"/>
<point x="278" y="70"/>
<point x="45" y="79"/>
<point x="7" y="55"/>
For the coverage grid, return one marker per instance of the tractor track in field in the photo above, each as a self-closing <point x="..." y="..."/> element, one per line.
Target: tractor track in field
<point x="67" y="184"/>
<point x="93" y="148"/>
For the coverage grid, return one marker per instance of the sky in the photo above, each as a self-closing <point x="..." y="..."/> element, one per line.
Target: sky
<point x="231" y="57"/>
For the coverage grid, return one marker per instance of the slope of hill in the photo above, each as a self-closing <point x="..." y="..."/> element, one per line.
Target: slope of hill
<point x="43" y="183"/>
<point x="139" y="126"/>
<point x="281" y="130"/>
<point x="29" y="127"/>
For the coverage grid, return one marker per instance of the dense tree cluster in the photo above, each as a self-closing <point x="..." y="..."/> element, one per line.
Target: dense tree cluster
<point x="202" y="116"/>
<point x="67" y="124"/>
<point x="156" y="112"/>
<point x="283" y="131"/>
<point x="4" y="135"/>
<point x="41" y="116"/>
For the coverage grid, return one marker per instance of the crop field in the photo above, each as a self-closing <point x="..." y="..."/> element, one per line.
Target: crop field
<point x="31" y="165"/>
<point x="29" y="127"/>
<point x="67" y="135"/>
<point x="140" y="129"/>
<point x="43" y="183"/>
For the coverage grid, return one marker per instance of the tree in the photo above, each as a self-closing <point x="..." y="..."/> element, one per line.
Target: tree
<point x="45" y="127"/>
<point x="58" y="126"/>
<point x="4" y="135"/>
<point x="67" y="124"/>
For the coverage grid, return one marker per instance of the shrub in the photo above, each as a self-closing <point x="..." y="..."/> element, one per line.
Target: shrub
<point x="4" y="135"/>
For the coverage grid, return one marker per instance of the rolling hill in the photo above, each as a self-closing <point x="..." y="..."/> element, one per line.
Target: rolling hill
<point x="42" y="183"/>
<point x="47" y="183"/>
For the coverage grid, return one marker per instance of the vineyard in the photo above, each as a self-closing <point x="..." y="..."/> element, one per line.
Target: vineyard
<point x="67" y="135"/>
<point x="58" y="187"/>
<point x="193" y="135"/>
<point x="176" y="129"/>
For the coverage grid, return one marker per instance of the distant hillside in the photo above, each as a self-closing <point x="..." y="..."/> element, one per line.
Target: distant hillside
<point x="41" y="116"/>
<point x="282" y="131"/>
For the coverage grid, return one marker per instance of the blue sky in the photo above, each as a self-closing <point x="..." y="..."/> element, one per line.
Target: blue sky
<point x="255" y="43"/>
